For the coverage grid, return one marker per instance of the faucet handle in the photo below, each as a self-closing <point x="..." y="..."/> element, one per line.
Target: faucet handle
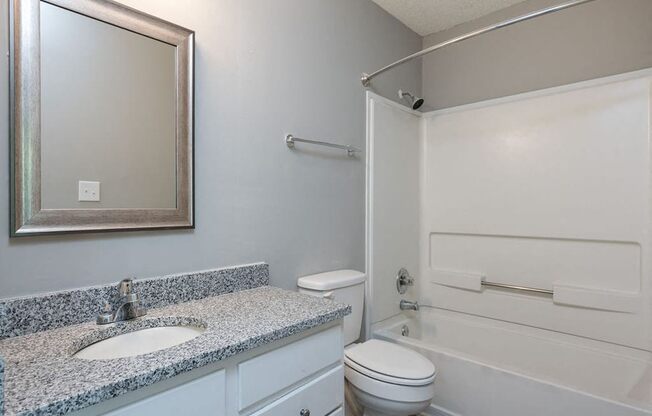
<point x="125" y="287"/>
<point x="106" y="316"/>
<point x="403" y="280"/>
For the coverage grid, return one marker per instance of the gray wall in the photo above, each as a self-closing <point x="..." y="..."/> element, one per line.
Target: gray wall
<point x="597" y="39"/>
<point x="263" y="69"/>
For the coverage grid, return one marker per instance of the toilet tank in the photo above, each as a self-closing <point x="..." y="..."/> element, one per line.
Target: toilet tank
<point x="343" y="286"/>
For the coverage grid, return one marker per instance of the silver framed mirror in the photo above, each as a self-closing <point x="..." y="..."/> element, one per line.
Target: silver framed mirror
<point x="101" y="119"/>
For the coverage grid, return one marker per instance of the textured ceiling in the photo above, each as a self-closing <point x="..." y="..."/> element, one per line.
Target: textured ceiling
<point x="430" y="16"/>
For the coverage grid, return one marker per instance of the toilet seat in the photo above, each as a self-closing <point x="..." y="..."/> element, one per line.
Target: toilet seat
<point x="390" y="363"/>
<point x="389" y="391"/>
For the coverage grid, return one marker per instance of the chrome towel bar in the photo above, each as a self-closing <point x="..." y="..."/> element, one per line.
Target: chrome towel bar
<point x="290" y="140"/>
<point x="519" y="288"/>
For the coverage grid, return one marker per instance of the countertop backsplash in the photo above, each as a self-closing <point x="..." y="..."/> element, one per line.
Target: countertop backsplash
<point x="30" y="314"/>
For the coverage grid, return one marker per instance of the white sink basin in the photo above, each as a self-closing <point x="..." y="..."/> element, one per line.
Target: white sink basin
<point x="139" y="342"/>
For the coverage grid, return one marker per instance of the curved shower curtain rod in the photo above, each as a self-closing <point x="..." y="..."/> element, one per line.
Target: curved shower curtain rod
<point x="366" y="78"/>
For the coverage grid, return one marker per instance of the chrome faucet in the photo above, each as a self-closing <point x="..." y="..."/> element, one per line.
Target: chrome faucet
<point x="129" y="305"/>
<point x="408" y="305"/>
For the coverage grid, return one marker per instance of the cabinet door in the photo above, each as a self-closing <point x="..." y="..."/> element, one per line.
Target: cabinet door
<point x="274" y="371"/>
<point x="319" y="397"/>
<point x="204" y="396"/>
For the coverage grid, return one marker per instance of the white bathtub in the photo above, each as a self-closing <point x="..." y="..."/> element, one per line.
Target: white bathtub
<point x="492" y="368"/>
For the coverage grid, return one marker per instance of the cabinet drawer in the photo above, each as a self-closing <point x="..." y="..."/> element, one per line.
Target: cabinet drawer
<point x="279" y="369"/>
<point x="338" y="412"/>
<point x="320" y="397"/>
<point x="204" y="396"/>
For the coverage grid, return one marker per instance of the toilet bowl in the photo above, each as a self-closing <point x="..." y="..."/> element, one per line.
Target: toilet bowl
<point x="386" y="379"/>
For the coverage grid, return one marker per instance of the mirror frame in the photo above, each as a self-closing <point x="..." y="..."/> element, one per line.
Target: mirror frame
<point x="27" y="215"/>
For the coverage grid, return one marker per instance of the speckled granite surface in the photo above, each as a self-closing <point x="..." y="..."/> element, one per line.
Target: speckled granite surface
<point x="27" y="315"/>
<point x="2" y="396"/>
<point x="42" y="378"/>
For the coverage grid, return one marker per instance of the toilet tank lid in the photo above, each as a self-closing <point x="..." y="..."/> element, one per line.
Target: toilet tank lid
<point x="335" y="279"/>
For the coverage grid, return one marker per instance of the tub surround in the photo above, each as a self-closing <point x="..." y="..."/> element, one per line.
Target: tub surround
<point x="27" y="315"/>
<point x="42" y="377"/>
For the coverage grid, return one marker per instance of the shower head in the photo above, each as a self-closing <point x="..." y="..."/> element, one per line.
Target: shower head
<point x="415" y="102"/>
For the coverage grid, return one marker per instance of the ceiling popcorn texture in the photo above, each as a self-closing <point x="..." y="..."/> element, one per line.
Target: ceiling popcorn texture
<point x="430" y="16"/>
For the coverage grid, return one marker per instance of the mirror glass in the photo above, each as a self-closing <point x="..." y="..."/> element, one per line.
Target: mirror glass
<point x="108" y="115"/>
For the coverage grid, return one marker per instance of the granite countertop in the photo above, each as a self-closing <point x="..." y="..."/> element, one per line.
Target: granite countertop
<point x="42" y="377"/>
<point x="2" y="396"/>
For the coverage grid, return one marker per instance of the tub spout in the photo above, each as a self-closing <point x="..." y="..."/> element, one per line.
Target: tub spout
<point x="407" y="305"/>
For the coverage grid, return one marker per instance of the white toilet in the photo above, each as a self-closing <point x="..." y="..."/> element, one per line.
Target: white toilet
<point x="387" y="379"/>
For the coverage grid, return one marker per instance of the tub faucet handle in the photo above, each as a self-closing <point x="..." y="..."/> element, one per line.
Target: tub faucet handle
<point x="403" y="280"/>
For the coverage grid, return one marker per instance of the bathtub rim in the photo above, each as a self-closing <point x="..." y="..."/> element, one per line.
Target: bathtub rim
<point x="389" y="330"/>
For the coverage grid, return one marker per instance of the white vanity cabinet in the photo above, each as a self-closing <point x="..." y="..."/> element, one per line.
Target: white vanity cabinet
<point x="315" y="398"/>
<point x="281" y="369"/>
<point x="301" y="375"/>
<point x="204" y="396"/>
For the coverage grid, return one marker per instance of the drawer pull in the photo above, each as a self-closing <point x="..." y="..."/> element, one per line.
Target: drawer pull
<point x="304" y="412"/>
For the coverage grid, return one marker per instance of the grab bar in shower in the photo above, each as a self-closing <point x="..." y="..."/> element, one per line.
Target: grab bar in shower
<point x="561" y="293"/>
<point x="475" y="281"/>
<point x="519" y="288"/>
<point x="350" y="150"/>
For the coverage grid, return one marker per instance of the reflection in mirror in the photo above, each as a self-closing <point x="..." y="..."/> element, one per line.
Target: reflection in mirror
<point x="107" y="115"/>
<point x="102" y="119"/>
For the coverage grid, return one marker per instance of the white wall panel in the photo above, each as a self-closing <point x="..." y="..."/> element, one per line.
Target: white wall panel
<point x="393" y="201"/>
<point x="548" y="189"/>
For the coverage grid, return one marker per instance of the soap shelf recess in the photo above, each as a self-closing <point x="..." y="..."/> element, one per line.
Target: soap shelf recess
<point x="561" y="293"/>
